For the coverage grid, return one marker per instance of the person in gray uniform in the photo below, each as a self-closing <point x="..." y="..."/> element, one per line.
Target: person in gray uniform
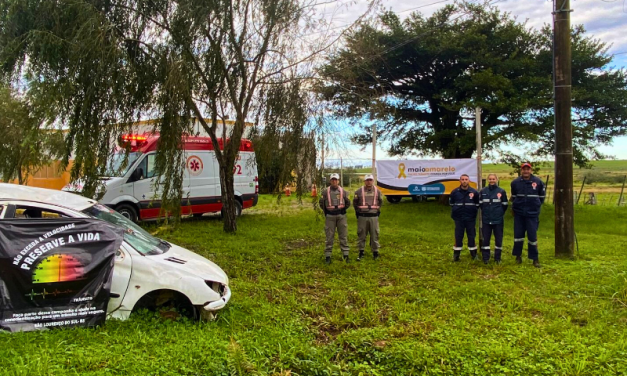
<point x="334" y="202"/>
<point x="367" y="202"/>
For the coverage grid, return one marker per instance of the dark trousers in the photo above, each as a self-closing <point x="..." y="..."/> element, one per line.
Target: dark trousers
<point x="467" y="227"/>
<point x="527" y="225"/>
<point x="487" y="230"/>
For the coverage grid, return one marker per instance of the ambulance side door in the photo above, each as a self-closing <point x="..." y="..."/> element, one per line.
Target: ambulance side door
<point x="143" y="184"/>
<point x="203" y="180"/>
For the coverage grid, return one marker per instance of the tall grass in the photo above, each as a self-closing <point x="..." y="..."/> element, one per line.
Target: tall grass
<point x="411" y="312"/>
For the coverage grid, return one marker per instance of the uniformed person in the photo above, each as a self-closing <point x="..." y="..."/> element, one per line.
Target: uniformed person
<point x="464" y="201"/>
<point x="334" y="202"/>
<point x="528" y="196"/>
<point x="493" y="207"/>
<point x="367" y="202"/>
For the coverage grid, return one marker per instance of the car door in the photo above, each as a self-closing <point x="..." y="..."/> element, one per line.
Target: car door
<point x="122" y="271"/>
<point x="122" y="267"/>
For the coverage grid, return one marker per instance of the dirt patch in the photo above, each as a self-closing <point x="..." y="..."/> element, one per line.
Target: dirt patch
<point x="299" y="244"/>
<point x="380" y="344"/>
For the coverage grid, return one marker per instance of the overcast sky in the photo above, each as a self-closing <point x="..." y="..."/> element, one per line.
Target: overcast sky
<point x="603" y="19"/>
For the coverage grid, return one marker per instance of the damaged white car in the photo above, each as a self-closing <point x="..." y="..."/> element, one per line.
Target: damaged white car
<point x="148" y="273"/>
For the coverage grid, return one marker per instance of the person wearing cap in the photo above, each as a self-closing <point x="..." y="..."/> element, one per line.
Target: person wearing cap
<point x="334" y="202"/>
<point x="493" y="208"/>
<point x="528" y="196"/>
<point x="367" y="202"/>
<point x="464" y="201"/>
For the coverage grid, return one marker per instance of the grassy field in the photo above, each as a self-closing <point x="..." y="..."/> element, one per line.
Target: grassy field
<point x="412" y="312"/>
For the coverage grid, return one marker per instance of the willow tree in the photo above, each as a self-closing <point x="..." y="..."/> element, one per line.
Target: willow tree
<point x="284" y="146"/>
<point x="26" y="144"/>
<point x="95" y="63"/>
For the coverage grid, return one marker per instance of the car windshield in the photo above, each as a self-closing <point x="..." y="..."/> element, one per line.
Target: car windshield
<point x="134" y="235"/>
<point x="115" y="163"/>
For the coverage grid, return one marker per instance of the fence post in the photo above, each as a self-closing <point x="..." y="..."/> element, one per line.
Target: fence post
<point x="581" y="190"/>
<point x="620" y="198"/>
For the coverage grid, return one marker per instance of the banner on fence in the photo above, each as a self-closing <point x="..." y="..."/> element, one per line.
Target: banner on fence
<point x="424" y="177"/>
<point x="55" y="272"/>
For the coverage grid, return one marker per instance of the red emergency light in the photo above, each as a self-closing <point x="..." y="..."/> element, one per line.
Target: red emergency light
<point x="134" y="137"/>
<point x="133" y="140"/>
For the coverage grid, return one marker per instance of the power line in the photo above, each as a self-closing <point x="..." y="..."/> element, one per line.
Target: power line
<point x="403" y="11"/>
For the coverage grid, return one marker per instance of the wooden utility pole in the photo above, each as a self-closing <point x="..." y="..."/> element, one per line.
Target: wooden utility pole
<point x="564" y="208"/>
<point x="322" y="157"/>
<point x="341" y="172"/>
<point x="479" y="165"/>
<point x="374" y="152"/>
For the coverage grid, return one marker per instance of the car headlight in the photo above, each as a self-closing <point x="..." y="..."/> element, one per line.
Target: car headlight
<point x="216" y="286"/>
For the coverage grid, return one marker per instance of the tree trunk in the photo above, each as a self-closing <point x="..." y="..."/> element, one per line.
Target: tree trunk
<point x="228" y="198"/>
<point x="20" y="175"/>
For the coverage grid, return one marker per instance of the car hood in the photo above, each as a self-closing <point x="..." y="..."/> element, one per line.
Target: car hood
<point x="189" y="262"/>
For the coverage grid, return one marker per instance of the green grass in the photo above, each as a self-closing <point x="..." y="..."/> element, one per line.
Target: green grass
<point x="412" y="312"/>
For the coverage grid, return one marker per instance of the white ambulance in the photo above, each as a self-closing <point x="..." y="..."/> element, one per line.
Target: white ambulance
<point x="131" y="191"/>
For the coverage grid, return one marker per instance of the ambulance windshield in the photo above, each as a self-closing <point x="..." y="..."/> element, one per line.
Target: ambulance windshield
<point x="114" y="166"/>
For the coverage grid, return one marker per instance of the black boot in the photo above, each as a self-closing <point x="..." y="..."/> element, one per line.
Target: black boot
<point x="536" y="263"/>
<point x="518" y="260"/>
<point x="327" y="260"/>
<point x="345" y="258"/>
<point x="486" y="256"/>
<point x="375" y="255"/>
<point x="473" y="254"/>
<point x="361" y="255"/>
<point x="456" y="255"/>
<point x="497" y="256"/>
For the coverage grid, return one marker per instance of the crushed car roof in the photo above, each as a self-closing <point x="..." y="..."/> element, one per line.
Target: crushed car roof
<point x="45" y="196"/>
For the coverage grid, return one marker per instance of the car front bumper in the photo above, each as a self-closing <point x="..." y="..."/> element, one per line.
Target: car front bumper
<point x="220" y="303"/>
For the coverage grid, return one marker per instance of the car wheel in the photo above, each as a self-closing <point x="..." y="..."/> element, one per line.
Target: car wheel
<point x="394" y="199"/>
<point x="238" y="209"/>
<point x="416" y="198"/>
<point x="128" y="211"/>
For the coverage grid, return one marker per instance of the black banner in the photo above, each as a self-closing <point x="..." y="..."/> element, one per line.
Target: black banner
<point x="55" y="272"/>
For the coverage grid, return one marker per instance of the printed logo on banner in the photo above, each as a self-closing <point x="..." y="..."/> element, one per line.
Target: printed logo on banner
<point x="401" y="170"/>
<point x="432" y="189"/>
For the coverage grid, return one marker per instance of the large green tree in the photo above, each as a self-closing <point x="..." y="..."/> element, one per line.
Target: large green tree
<point x="94" y="63"/>
<point x="421" y="79"/>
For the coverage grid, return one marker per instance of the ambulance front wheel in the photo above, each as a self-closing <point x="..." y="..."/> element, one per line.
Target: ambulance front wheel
<point x="128" y="211"/>
<point x="238" y="209"/>
<point x="394" y="199"/>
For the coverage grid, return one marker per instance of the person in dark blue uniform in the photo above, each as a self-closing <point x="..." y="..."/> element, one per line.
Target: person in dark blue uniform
<point x="528" y="196"/>
<point x="464" y="201"/>
<point x="493" y="207"/>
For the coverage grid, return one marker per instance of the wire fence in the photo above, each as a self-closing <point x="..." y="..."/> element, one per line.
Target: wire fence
<point x="601" y="195"/>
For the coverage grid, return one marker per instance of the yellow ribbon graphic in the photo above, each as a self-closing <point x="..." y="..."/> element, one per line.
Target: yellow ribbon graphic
<point x="401" y="169"/>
